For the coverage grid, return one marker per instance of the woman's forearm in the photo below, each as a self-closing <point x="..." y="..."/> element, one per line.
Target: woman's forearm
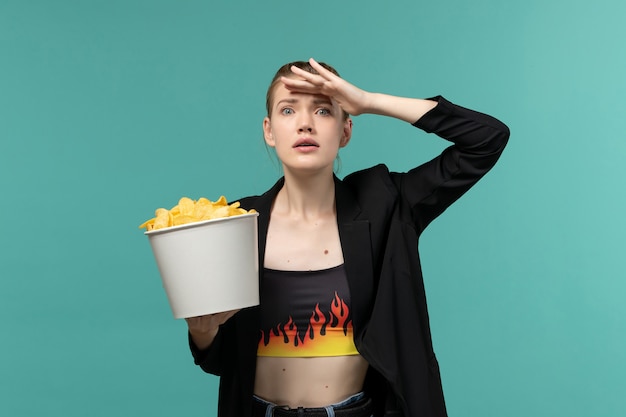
<point x="408" y="109"/>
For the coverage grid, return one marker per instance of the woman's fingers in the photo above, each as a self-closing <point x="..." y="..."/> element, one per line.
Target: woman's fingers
<point x="325" y="82"/>
<point x="323" y="72"/>
<point x="351" y="99"/>
<point x="318" y="79"/>
<point x="299" y="85"/>
<point x="210" y="321"/>
<point x="221" y="318"/>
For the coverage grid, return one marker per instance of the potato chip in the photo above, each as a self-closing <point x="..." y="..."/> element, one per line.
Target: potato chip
<point x="189" y="211"/>
<point x="203" y="209"/>
<point x="163" y="218"/>
<point x="186" y="206"/>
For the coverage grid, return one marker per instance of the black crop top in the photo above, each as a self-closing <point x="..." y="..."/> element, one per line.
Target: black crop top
<point x="305" y="314"/>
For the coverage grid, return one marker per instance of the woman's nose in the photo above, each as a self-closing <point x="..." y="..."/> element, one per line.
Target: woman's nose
<point x="305" y="124"/>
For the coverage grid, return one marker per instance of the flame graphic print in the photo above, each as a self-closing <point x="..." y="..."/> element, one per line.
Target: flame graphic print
<point x="325" y="334"/>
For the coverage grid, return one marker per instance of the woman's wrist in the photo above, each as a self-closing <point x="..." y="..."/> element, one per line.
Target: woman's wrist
<point x="403" y="108"/>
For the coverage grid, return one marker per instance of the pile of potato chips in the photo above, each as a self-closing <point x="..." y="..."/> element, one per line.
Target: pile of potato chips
<point x="189" y="211"/>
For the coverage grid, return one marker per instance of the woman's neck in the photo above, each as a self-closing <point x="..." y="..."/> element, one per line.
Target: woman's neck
<point x="309" y="196"/>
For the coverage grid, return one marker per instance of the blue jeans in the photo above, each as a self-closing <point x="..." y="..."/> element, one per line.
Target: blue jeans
<point x="330" y="409"/>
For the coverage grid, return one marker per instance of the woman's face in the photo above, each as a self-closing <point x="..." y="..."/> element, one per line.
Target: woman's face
<point x="306" y="130"/>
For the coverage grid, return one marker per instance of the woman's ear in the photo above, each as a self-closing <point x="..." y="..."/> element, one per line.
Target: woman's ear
<point x="267" y="132"/>
<point x="347" y="133"/>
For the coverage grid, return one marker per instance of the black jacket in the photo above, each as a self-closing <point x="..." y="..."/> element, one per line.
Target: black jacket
<point x="380" y="217"/>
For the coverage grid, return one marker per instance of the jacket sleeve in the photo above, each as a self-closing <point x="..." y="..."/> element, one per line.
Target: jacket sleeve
<point x="207" y="359"/>
<point x="478" y="141"/>
<point x="210" y="359"/>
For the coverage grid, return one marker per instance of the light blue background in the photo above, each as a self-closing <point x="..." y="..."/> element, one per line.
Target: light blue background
<point x="109" y="109"/>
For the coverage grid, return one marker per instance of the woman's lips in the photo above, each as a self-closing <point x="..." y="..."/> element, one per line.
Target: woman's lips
<point x="306" y="143"/>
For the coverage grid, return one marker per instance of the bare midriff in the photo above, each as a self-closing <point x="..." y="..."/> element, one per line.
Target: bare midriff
<point x="309" y="382"/>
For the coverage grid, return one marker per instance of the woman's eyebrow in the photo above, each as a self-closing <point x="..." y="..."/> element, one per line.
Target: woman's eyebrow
<point x="317" y="101"/>
<point x="323" y="101"/>
<point x="287" y="101"/>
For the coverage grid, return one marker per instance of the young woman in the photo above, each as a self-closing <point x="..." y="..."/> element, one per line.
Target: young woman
<point x="342" y="328"/>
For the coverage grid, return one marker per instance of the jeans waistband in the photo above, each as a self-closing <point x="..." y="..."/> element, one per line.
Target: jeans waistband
<point x="356" y="405"/>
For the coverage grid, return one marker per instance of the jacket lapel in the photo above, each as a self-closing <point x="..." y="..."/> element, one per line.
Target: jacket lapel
<point x="248" y="325"/>
<point x="357" y="252"/>
<point x="264" y="206"/>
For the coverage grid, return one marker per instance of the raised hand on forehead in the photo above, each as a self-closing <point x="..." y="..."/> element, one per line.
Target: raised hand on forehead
<point x="351" y="98"/>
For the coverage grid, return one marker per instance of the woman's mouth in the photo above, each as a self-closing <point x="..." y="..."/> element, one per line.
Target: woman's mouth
<point x="306" y="143"/>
